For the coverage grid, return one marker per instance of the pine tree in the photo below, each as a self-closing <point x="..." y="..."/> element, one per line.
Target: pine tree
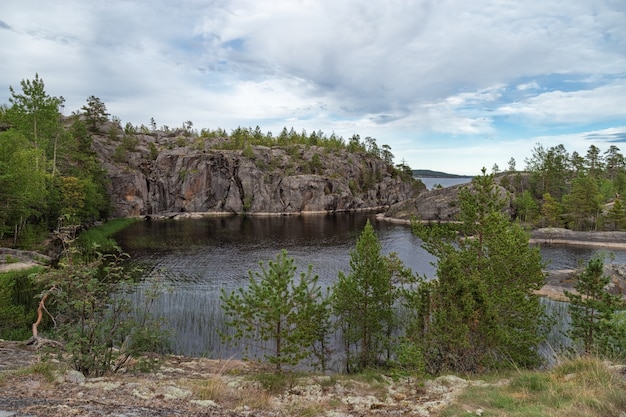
<point x="592" y="309"/>
<point x="292" y="317"/>
<point x="482" y="309"/>
<point x="363" y="302"/>
<point x="551" y="211"/>
<point x="584" y="202"/>
<point x="95" y="112"/>
<point x="22" y="184"/>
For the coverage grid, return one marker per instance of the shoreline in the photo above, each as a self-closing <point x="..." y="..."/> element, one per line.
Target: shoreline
<point x="572" y="242"/>
<point x="202" y="214"/>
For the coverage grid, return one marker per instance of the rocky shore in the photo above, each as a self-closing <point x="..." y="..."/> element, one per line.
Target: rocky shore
<point x="204" y="387"/>
<point x="14" y="259"/>
<point x="558" y="236"/>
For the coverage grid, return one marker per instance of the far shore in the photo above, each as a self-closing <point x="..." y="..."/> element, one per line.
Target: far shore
<point x="201" y="214"/>
<point x="594" y="244"/>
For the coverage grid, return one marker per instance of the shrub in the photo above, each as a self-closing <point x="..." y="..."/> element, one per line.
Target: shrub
<point x="95" y="316"/>
<point x="17" y="304"/>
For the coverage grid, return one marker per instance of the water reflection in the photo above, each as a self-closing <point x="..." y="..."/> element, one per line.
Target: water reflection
<point x="569" y="257"/>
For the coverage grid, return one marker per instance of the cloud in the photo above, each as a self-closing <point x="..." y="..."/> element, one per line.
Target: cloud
<point x="383" y="56"/>
<point x="407" y="72"/>
<point x="528" y="86"/>
<point x="607" y="102"/>
<point x="611" y="135"/>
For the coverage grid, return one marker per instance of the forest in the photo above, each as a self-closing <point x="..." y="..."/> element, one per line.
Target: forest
<point x="570" y="190"/>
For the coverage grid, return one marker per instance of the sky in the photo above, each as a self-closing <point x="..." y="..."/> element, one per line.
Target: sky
<point x="449" y="85"/>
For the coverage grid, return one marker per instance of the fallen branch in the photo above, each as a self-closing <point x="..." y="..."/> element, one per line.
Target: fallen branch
<point x="35" y="340"/>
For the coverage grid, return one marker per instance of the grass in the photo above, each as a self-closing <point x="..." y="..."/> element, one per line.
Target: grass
<point x="11" y="259"/>
<point x="47" y="370"/>
<point x="214" y="389"/>
<point x="276" y="382"/>
<point x="577" y="387"/>
<point x="100" y="236"/>
<point x="217" y="389"/>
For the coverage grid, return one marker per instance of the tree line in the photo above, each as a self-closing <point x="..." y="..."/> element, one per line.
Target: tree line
<point x="49" y="174"/>
<point x="562" y="189"/>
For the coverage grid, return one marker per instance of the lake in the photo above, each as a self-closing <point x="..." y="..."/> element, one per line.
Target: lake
<point x="203" y="256"/>
<point x="430" y="183"/>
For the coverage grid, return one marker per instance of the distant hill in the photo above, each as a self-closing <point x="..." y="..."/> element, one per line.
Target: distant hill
<point x="427" y="173"/>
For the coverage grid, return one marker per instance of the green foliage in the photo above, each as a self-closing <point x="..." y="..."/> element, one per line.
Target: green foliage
<point x="95" y="112"/>
<point x="99" y="238"/>
<point x="22" y="184"/>
<point x="247" y="151"/>
<point x="595" y="322"/>
<point x="181" y="141"/>
<point x="241" y="138"/>
<point x="47" y="171"/>
<point x="363" y="303"/>
<point x="129" y="129"/>
<point x="551" y="211"/>
<point x="128" y="145"/>
<point x="275" y="383"/>
<point x="526" y="207"/>
<point x="288" y="319"/>
<point x="409" y="357"/>
<point x="481" y="311"/>
<point x="583" y="202"/>
<point x="94" y="316"/>
<point x="17" y="304"/>
<point x="315" y="165"/>
<point x="573" y="190"/>
<point x="580" y="387"/>
<point x="616" y="216"/>
<point x="35" y="113"/>
<point x="550" y="170"/>
<point x="154" y="152"/>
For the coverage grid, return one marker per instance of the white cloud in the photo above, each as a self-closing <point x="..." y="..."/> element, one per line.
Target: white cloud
<point x="528" y="86"/>
<point x="401" y="71"/>
<point x="607" y="102"/>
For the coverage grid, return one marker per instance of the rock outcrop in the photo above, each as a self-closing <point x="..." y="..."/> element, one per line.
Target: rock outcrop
<point x="176" y="175"/>
<point x="439" y="205"/>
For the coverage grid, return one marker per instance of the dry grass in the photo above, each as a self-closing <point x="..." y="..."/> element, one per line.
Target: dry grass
<point x="214" y="389"/>
<point x="230" y="396"/>
<point x="576" y="388"/>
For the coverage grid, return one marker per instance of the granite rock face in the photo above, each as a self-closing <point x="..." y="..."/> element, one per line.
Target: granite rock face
<point x="438" y="205"/>
<point x="154" y="176"/>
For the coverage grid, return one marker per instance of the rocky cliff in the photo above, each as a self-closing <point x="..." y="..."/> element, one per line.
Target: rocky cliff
<point x="152" y="175"/>
<point x="438" y="205"/>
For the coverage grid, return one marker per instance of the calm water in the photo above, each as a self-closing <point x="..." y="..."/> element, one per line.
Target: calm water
<point x="430" y="183"/>
<point x="202" y="256"/>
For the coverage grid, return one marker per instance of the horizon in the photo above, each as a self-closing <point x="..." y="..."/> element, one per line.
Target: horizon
<point x="449" y="86"/>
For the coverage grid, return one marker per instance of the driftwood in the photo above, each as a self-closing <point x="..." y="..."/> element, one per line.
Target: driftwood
<point x="36" y="341"/>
